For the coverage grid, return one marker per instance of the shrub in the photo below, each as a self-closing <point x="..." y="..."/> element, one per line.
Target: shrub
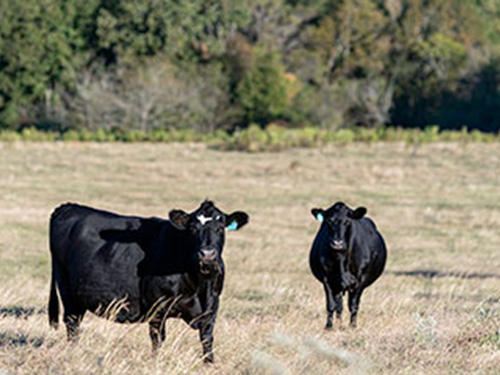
<point x="345" y="136"/>
<point x="263" y="90"/>
<point x="10" y="136"/>
<point x="255" y="138"/>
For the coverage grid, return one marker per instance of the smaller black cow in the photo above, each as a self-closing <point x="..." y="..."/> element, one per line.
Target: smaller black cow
<point x="135" y="269"/>
<point x="348" y="254"/>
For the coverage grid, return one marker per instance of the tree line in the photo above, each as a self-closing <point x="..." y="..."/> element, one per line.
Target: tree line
<point x="226" y="64"/>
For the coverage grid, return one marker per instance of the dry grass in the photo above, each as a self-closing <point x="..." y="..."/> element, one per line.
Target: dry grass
<point x="438" y="207"/>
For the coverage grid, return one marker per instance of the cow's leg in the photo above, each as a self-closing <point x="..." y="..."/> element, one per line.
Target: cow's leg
<point x="157" y="333"/>
<point x="207" y="338"/>
<point x="206" y="327"/>
<point x="333" y="303"/>
<point x="73" y="316"/>
<point x="338" y="305"/>
<point x="73" y="313"/>
<point x="354" y="298"/>
<point x="329" y="306"/>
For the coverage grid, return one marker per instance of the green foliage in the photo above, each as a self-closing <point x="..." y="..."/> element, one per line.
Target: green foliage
<point x="127" y="29"/>
<point x="277" y="138"/>
<point x="205" y="65"/>
<point x="322" y="106"/>
<point x="39" y="50"/>
<point x="255" y="138"/>
<point x="262" y="91"/>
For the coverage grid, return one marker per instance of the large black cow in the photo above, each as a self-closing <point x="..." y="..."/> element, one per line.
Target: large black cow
<point x="134" y="269"/>
<point x="348" y="254"/>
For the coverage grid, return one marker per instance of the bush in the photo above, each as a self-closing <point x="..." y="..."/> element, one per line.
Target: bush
<point x="10" y="136"/>
<point x="31" y="134"/>
<point x="263" y="91"/>
<point x="255" y="138"/>
<point x="345" y="136"/>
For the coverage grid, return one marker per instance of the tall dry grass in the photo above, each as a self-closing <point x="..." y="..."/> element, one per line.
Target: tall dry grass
<point x="434" y="311"/>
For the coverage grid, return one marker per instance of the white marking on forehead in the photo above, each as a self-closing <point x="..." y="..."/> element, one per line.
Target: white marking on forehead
<point x="202" y="219"/>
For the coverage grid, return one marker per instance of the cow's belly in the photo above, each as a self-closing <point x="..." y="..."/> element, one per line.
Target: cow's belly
<point x="110" y="300"/>
<point x="172" y="296"/>
<point x="107" y="283"/>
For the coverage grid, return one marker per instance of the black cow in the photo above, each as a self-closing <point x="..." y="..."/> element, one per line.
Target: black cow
<point x="134" y="269"/>
<point x="348" y="254"/>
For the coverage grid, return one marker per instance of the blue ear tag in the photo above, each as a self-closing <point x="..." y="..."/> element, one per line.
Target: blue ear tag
<point x="320" y="217"/>
<point x="232" y="226"/>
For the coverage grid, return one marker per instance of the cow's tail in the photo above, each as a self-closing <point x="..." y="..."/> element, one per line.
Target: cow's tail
<point x="53" y="299"/>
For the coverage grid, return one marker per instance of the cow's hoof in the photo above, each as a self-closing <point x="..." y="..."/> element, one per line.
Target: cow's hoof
<point x="208" y="359"/>
<point x="328" y="326"/>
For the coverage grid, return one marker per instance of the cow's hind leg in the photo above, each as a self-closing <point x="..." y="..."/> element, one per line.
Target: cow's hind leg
<point x="157" y="333"/>
<point x="333" y="303"/>
<point x="354" y="298"/>
<point x="338" y="306"/>
<point x="73" y="316"/>
<point x="73" y="312"/>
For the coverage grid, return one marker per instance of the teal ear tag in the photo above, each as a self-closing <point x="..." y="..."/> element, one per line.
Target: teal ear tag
<point x="232" y="226"/>
<point x="320" y="217"/>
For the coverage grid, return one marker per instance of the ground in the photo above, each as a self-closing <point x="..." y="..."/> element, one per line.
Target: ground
<point x="435" y="310"/>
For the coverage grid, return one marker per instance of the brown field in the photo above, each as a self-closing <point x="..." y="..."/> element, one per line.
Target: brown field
<point x="435" y="310"/>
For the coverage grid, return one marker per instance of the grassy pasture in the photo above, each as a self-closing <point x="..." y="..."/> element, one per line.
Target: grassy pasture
<point x="436" y="309"/>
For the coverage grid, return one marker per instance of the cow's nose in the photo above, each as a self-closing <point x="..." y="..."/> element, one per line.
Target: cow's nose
<point x="208" y="255"/>
<point x="338" y="244"/>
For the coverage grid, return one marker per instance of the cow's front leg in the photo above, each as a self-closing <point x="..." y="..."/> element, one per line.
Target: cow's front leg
<point x="330" y="304"/>
<point x="207" y="341"/>
<point x="354" y="298"/>
<point x="207" y="332"/>
<point x="157" y="333"/>
<point x="333" y="303"/>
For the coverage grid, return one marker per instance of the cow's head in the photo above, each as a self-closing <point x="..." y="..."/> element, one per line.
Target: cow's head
<point x="338" y="220"/>
<point x="206" y="228"/>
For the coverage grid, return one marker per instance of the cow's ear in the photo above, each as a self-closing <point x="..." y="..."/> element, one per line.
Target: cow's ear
<point x="179" y="218"/>
<point x="236" y="220"/>
<point x="318" y="214"/>
<point x="358" y="213"/>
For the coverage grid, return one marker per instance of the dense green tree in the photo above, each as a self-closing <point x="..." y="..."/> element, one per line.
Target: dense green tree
<point x="262" y="91"/>
<point x="389" y="48"/>
<point x="126" y="29"/>
<point x="333" y="63"/>
<point x="40" y="50"/>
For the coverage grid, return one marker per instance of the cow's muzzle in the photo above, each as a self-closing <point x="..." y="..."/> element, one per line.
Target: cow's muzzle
<point x="338" y="245"/>
<point x="209" y="262"/>
<point x="208" y="256"/>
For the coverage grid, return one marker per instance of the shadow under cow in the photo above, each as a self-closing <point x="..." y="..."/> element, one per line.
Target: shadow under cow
<point x="15" y="340"/>
<point x="432" y="273"/>
<point x="20" y="312"/>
